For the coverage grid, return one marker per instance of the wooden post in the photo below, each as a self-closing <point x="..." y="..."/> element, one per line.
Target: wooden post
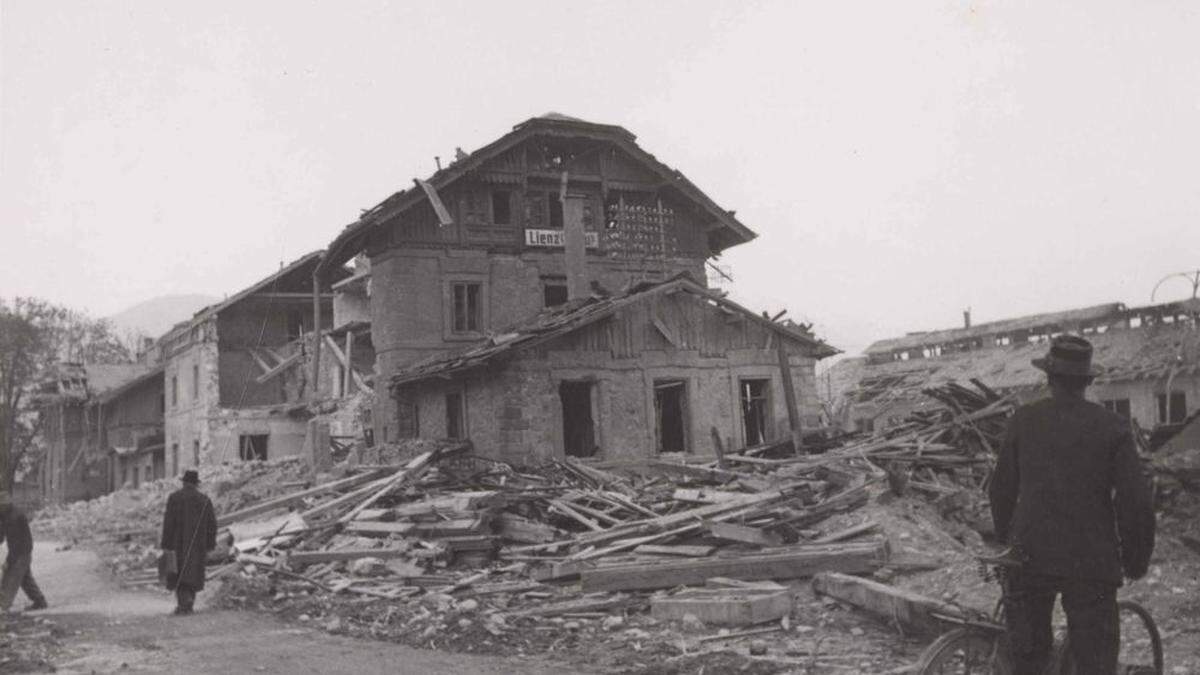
<point x="789" y="393"/>
<point x="719" y="449"/>
<point x="349" y="374"/>
<point x="316" y="334"/>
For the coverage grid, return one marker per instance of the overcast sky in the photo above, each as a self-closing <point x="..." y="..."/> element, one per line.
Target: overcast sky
<point x="900" y="161"/>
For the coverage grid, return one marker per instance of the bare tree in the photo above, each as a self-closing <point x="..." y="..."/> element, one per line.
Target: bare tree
<point x="36" y="335"/>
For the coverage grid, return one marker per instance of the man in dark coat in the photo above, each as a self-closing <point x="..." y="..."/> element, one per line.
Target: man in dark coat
<point x="1069" y="494"/>
<point x="14" y="528"/>
<point x="189" y="531"/>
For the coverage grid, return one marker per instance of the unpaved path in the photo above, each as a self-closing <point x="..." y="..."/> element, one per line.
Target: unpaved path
<point x="112" y="629"/>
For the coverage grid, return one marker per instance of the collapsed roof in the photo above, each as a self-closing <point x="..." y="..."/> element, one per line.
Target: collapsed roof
<point x="572" y="316"/>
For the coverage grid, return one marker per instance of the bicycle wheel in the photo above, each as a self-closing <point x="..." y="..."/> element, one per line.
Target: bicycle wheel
<point x="962" y="651"/>
<point x="1141" y="645"/>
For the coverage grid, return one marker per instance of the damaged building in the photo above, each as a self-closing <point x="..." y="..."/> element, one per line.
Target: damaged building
<point x="235" y="383"/>
<point x="545" y="295"/>
<point x="75" y="420"/>
<point x="1149" y="356"/>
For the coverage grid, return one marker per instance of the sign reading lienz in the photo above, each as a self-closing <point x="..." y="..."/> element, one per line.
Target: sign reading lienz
<point x="554" y="238"/>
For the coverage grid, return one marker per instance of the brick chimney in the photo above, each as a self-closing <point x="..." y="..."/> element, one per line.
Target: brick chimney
<point x="967" y="318"/>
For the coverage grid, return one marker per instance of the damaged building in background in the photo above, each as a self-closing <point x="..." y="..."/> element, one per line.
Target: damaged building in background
<point x="1149" y="355"/>
<point x="234" y="375"/>
<point x="77" y="462"/>
<point x="550" y="259"/>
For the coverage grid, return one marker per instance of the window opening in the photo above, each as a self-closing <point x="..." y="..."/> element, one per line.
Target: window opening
<point x="501" y="207"/>
<point x="251" y="447"/>
<point x="174" y="391"/>
<point x="756" y="411"/>
<point x="196" y="453"/>
<point x="1119" y="406"/>
<point x="455" y="428"/>
<point x="579" y="427"/>
<point x="468" y="310"/>
<point x="554" y="294"/>
<point x="670" y="412"/>
<point x="408" y="418"/>
<point x="1173" y="409"/>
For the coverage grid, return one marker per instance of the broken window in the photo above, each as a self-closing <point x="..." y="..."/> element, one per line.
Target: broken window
<point x="250" y="447"/>
<point x="501" y="207"/>
<point x="1119" y="406"/>
<point x="554" y="294"/>
<point x="455" y="417"/>
<point x="670" y="413"/>
<point x="1172" y="409"/>
<point x="468" y="307"/>
<point x="408" y="418"/>
<point x="756" y="411"/>
<point x="579" y="426"/>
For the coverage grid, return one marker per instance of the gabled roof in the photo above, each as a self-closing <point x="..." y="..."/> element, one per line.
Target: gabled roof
<point x="570" y="317"/>
<point x="83" y="382"/>
<point x="353" y="236"/>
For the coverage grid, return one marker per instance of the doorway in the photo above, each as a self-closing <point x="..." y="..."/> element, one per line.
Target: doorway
<point x="756" y="411"/>
<point x="579" y="426"/>
<point x="670" y="414"/>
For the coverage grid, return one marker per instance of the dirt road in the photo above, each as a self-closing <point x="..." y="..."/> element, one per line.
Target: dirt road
<point x="114" y="629"/>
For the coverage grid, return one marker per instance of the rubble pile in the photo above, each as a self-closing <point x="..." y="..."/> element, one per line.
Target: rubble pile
<point x="127" y="521"/>
<point x="451" y="550"/>
<point x="28" y="643"/>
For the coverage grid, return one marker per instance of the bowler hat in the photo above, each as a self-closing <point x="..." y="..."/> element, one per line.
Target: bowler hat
<point x="1069" y="355"/>
<point x="190" y="476"/>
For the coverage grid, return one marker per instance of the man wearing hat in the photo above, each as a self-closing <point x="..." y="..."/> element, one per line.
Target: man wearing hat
<point x="1069" y="495"/>
<point x="189" y="532"/>
<point x="14" y="528"/>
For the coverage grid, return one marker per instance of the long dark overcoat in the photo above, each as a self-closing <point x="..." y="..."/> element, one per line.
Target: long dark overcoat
<point x="1069" y="490"/>
<point x="190" y="530"/>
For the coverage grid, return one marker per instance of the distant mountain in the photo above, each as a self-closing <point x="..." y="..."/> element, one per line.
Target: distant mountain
<point x="156" y="316"/>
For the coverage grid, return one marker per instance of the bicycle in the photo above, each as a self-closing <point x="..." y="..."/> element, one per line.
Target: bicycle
<point x="979" y="644"/>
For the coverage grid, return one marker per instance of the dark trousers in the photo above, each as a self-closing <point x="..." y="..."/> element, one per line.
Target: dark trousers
<point x="1093" y="628"/>
<point x="18" y="575"/>
<point x="185" y="596"/>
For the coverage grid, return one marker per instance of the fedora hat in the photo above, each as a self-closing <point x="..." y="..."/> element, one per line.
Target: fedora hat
<point x="190" y="476"/>
<point x="1069" y="355"/>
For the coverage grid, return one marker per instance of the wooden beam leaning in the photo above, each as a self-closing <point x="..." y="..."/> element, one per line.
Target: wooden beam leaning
<point x="279" y="368"/>
<point x="280" y="502"/>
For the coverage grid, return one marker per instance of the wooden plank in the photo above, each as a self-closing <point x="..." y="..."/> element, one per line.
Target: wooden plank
<point x="848" y="533"/>
<point x="313" y="557"/>
<point x="414" y="467"/>
<point x="573" y="606"/>
<point x="348" y="380"/>
<point x="683" y="550"/>
<point x="519" y="528"/>
<point x="280" y="502"/>
<point x="280" y="368"/>
<point x="371" y="527"/>
<point x="789" y="395"/>
<point x="743" y="534"/>
<point x="336" y="351"/>
<point x="443" y="214"/>
<point x="791" y="563"/>
<point x="724" y="607"/>
<point x="911" y="612"/>
<point x="266" y="368"/>
<point x="718" y="448"/>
